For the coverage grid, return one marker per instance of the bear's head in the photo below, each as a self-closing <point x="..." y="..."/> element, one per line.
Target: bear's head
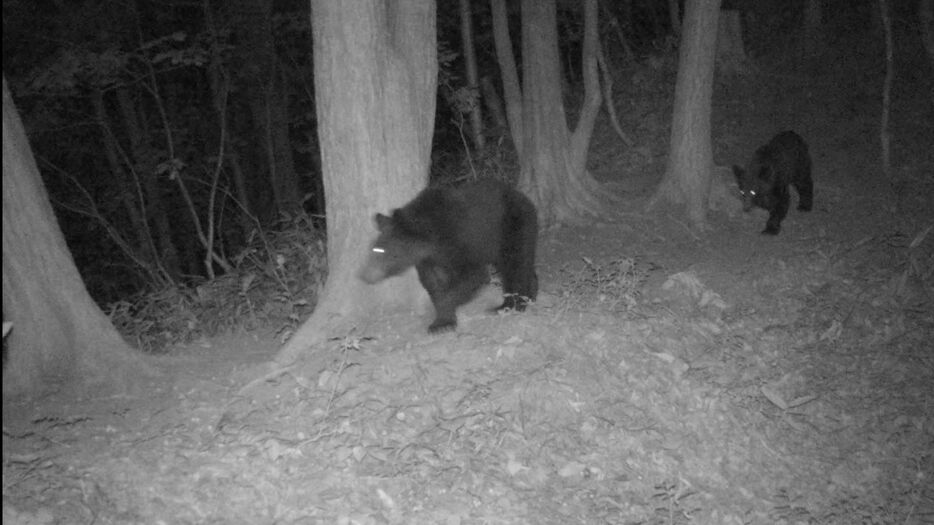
<point x="755" y="185"/>
<point x="396" y="249"/>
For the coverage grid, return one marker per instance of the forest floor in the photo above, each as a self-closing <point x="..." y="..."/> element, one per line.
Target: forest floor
<point x="664" y="376"/>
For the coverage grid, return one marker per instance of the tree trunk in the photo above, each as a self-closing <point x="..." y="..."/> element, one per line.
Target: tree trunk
<point x="553" y="162"/>
<point x="885" y="136"/>
<point x="269" y="100"/>
<point x="143" y="251"/>
<point x="494" y="104"/>
<point x="674" y="15"/>
<point x="470" y="68"/>
<point x="731" y="53"/>
<point x="690" y="160"/>
<point x="505" y="57"/>
<point x="812" y="27"/>
<point x="60" y="336"/>
<point x="926" y="19"/>
<point x="285" y="186"/>
<point x="375" y="80"/>
<point x="219" y="82"/>
<point x="618" y="29"/>
<point x="154" y="205"/>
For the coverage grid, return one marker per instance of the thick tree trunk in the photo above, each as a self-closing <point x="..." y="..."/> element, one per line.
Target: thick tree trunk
<point x="554" y="171"/>
<point x="60" y="336"/>
<point x="690" y="160"/>
<point x="375" y="81"/>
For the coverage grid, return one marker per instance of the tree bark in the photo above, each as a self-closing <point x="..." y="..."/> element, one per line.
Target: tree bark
<point x="731" y="53"/>
<point x="885" y="136"/>
<point x="284" y="177"/>
<point x="470" y="68"/>
<point x="690" y="160"/>
<point x="505" y="57"/>
<point x="375" y="81"/>
<point x="167" y="258"/>
<point x="618" y="29"/>
<point x="926" y="19"/>
<point x="674" y="14"/>
<point x="60" y="337"/>
<point x="494" y="104"/>
<point x="143" y="251"/>
<point x="812" y="26"/>
<point x="269" y="99"/>
<point x="553" y="159"/>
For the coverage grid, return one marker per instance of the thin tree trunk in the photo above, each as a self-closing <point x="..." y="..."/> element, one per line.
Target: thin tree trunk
<point x="926" y="19"/>
<point x="614" y="23"/>
<point x="470" y="67"/>
<point x="132" y="199"/>
<point x="284" y="177"/>
<point x="505" y="57"/>
<point x="812" y="26"/>
<point x="268" y="100"/>
<point x="885" y="137"/>
<point x="220" y="92"/>
<point x="580" y="139"/>
<point x="60" y="337"/>
<point x="674" y="15"/>
<point x="140" y="229"/>
<point x="493" y="103"/>
<point x="154" y="205"/>
<point x="690" y="160"/>
<point x="607" y="85"/>
<point x="731" y="53"/>
<point x="375" y="81"/>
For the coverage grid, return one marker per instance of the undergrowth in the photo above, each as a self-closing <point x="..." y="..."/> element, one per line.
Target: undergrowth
<point x="613" y="285"/>
<point x="275" y="282"/>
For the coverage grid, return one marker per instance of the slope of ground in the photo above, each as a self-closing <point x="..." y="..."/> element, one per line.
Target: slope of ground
<point x="664" y="376"/>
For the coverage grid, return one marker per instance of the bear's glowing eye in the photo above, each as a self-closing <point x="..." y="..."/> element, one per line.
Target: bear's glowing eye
<point x="752" y="193"/>
<point x="377" y="249"/>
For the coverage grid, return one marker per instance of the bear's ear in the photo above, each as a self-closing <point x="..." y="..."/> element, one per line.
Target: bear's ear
<point x="738" y="173"/>
<point x="382" y="222"/>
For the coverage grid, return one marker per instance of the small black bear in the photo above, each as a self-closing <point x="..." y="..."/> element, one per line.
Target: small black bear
<point x="451" y="235"/>
<point x="764" y="182"/>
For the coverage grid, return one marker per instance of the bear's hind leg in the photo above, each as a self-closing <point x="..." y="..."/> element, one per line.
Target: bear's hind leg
<point x="520" y="285"/>
<point x="517" y="257"/>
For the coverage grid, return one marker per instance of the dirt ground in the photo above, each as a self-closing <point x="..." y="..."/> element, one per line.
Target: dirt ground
<point x="664" y="377"/>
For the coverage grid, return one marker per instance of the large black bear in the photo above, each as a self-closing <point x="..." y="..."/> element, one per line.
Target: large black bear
<point x="451" y="235"/>
<point x="764" y="182"/>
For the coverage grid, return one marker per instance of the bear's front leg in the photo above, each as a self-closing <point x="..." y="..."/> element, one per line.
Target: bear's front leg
<point x="778" y="212"/>
<point x="437" y="282"/>
<point x="450" y="287"/>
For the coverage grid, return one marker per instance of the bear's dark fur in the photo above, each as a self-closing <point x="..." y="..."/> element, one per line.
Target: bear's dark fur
<point x="451" y="235"/>
<point x="764" y="182"/>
